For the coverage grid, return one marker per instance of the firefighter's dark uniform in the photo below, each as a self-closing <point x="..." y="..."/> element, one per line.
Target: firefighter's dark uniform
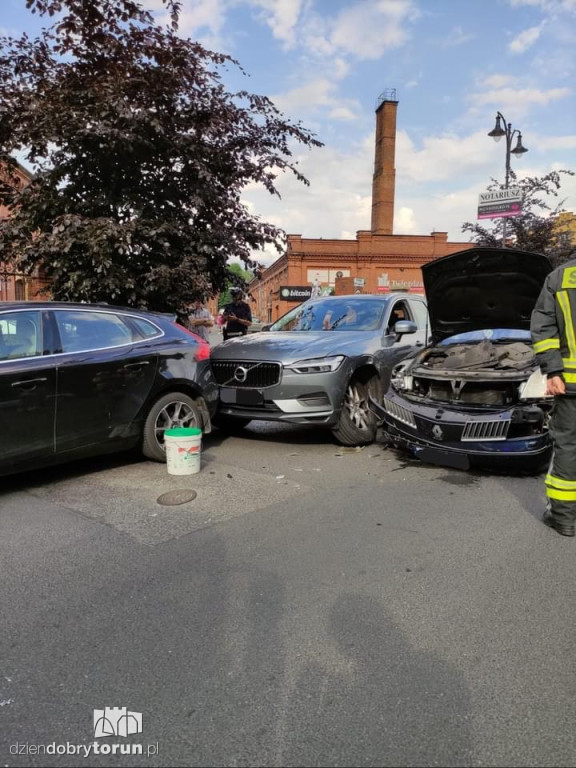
<point x="554" y="338"/>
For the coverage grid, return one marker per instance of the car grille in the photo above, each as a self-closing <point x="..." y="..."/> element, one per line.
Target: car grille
<point x="486" y="430"/>
<point x="399" y="412"/>
<point x="254" y="375"/>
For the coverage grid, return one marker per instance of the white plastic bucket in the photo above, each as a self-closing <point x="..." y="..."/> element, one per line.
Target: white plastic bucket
<point x="183" y="450"/>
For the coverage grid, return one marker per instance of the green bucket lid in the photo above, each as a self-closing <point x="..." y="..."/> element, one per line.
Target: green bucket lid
<point x="183" y="432"/>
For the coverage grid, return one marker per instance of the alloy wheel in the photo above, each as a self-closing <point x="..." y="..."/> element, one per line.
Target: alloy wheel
<point x="357" y="408"/>
<point x="174" y="415"/>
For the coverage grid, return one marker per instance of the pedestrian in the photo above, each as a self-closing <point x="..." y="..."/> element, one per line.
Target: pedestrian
<point x="220" y="322"/>
<point x="554" y="337"/>
<point x="200" y="320"/>
<point x="237" y="315"/>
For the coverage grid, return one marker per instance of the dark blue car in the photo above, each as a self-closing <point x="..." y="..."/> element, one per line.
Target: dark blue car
<point x="475" y="396"/>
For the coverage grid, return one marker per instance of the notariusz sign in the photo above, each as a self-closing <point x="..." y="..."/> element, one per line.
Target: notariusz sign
<point x="500" y="204"/>
<point x="295" y="292"/>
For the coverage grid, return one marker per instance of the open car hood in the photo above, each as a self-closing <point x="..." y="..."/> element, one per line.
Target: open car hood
<point x="483" y="288"/>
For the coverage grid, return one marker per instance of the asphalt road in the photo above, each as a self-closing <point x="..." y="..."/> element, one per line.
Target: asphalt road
<point x="311" y="606"/>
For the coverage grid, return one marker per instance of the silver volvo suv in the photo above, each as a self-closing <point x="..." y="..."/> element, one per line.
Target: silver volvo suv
<point x="320" y="363"/>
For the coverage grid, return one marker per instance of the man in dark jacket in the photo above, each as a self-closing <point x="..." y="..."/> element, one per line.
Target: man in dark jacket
<point x="237" y="316"/>
<point x="554" y="337"/>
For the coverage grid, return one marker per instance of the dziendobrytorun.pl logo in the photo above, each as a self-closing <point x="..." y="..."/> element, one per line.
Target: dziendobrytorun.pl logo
<point x="110" y="721"/>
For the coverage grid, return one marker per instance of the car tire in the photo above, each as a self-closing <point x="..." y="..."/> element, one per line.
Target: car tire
<point x="168" y="412"/>
<point x="357" y="424"/>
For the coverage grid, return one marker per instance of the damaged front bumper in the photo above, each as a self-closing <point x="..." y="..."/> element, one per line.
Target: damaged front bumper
<point x="515" y="438"/>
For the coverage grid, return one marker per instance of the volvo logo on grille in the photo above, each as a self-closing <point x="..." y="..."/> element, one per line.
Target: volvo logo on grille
<point x="241" y="374"/>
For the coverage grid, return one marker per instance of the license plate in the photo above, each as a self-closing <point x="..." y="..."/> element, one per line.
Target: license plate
<point x="228" y="396"/>
<point x="443" y="458"/>
<point x="249" y="397"/>
<point x="242" y="397"/>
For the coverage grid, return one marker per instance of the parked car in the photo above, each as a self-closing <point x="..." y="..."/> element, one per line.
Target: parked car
<point x="475" y="397"/>
<point x="320" y="363"/>
<point x="257" y="325"/>
<point x="82" y="379"/>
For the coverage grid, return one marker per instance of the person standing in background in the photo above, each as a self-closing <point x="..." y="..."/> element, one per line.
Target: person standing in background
<point x="200" y="320"/>
<point x="237" y="315"/>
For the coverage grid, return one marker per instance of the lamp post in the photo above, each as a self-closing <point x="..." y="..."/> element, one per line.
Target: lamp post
<point x="497" y="132"/>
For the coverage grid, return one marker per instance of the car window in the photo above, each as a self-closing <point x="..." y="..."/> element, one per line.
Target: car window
<point x="146" y="329"/>
<point x="420" y="314"/>
<point x="82" y="330"/>
<point x="20" y="334"/>
<point x="399" y="312"/>
<point x="347" y="314"/>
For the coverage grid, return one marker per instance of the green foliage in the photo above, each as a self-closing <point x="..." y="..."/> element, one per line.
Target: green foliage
<point x="536" y="229"/>
<point x="140" y="157"/>
<point x="237" y="277"/>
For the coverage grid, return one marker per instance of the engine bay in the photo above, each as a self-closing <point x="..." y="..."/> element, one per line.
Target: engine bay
<point x="484" y="373"/>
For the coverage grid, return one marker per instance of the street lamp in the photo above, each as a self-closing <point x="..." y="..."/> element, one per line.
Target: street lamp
<point x="497" y="132"/>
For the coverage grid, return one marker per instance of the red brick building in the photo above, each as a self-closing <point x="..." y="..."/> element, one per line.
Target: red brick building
<point x="378" y="259"/>
<point x="14" y="285"/>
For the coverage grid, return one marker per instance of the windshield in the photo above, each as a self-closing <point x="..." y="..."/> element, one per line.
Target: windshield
<point x="492" y="334"/>
<point x="347" y="314"/>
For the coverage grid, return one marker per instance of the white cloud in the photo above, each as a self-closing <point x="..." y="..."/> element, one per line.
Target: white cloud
<point x="440" y="157"/>
<point x="343" y="113"/>
<point x="337" y="202"/>
<point x="555" y="142"/>
<point x="281" y="16"/>
<point x="366" y="30"/>
<point x="202" y="20"/>
<point x="456" y="37"/>
<point x="363" y="30"/>
<point x="558" y="65"/>
<point x="314" y="95"/>
<point x="405" y="222"/>
<point x="525" y="40"/>
<point x="340" y="68"/>
<point x="517" y="100"/>
<point x="498" y="81"/>
<point x="549" y="6"/>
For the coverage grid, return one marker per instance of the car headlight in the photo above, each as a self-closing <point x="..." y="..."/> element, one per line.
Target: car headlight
<point x="317" y="365"/>
<point x="401" y="379"/>
<point x="534" y="388"/>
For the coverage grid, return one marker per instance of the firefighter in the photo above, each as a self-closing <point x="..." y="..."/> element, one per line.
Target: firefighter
<point x="554" y="338"/>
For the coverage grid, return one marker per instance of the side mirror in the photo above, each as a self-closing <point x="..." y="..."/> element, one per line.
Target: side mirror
<point x="405" y="326"/>
<point x="265" y="328"/>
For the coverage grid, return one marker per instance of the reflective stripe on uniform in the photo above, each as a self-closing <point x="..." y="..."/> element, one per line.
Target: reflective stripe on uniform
<point x="569" y="362"/>
<point x="546" y="344"/>
<point x="554" y="493"/>
<point x="569" y="277"/>
<point x="569" y="378"/>
<point x="564" y="302"/>
<point x="559" y="483"/>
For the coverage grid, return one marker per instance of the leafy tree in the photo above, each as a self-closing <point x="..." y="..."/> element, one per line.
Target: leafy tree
<point x="536" y="229"/>
<point x="237" y="277"/>
<point x="140" y="155"/>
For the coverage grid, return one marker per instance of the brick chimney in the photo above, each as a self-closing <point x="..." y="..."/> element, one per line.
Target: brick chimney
<point x="384" y="180"/>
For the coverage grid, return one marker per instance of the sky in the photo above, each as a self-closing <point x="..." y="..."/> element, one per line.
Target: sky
<point x="453" y="63"/>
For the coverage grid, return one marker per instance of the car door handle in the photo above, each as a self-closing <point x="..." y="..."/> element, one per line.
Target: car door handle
<point x="133" y="366"/>
<point x="419" y="344"/>
<point x="27" y="383"/>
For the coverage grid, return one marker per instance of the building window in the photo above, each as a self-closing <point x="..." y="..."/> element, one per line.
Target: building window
<point x="19" y="292"/>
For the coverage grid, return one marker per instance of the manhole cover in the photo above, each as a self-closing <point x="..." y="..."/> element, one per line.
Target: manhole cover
<point x="172" y="498"/>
